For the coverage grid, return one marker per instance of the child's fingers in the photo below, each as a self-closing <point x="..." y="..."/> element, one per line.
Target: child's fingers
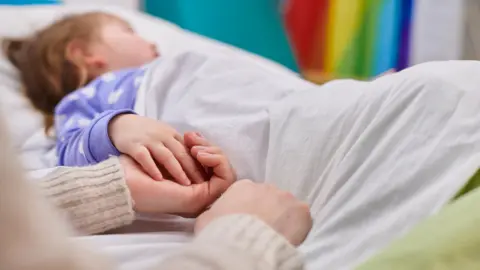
<point x="142" y="156"/>
<point x="188" y="139"/>
<point x="187" y="162"/>
<point x="195" y="138"/>
<point x="166" y="158"/>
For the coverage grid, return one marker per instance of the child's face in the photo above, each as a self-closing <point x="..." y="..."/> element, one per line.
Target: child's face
<point x="120" y="47"/>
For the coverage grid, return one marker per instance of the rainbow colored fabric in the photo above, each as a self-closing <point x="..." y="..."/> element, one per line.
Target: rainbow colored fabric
<point x="350" y="38"/>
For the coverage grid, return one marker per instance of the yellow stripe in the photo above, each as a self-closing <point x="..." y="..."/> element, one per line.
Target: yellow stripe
<point x="344" y="21"/>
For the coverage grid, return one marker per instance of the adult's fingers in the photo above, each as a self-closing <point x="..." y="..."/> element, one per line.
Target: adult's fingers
<point x="209" y="149"/>
<point x="166" y="158"/>
<point x="188" y="163"/>
<point x="219" y="163"/>
<point x="217" y="186"/>
<point x="143" y="157"/>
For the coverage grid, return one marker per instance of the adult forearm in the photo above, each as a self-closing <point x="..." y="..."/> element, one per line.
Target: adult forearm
<point x="94" y="199"/>
<point x="236" y="242"/>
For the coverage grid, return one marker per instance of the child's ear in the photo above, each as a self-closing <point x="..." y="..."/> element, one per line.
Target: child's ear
<point x="78" y="52"/>
<point x="96" y="64"/>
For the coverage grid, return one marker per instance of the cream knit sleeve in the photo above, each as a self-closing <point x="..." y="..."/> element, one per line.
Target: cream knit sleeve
<point x="236" y="242"/>
<point x="94" y="199"/>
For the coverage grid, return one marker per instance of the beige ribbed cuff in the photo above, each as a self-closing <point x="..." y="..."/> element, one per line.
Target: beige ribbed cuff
<point x="95" y="198"/>
<point x="253" y="236"/>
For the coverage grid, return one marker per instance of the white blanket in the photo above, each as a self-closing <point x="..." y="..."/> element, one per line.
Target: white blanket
<point x="227" y="100"/>
<point x="371" y="158"/>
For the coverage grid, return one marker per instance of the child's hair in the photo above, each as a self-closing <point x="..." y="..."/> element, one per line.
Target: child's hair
<point x="47" y="72"/>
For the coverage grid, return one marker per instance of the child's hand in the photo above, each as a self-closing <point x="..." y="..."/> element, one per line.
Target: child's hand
<point x="151" y="142"/>
<point x="168" y="197"/>
<point x="210" y="157"/>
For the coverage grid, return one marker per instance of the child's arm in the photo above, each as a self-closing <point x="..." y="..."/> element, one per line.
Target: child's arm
<point x="82" y="118"/>
<point x="82" y="131"/>
<point x="96" y="122"/>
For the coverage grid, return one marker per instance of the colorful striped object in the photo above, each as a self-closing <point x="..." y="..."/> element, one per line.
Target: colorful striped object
<point x="302" y="19"/>
<point x="344" y="23"/>
<point x="388" y="37"/>
<point x="405" y="34"/>
<point x="351" y="38"/>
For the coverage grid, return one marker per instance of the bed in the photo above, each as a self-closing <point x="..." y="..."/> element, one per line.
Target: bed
<point x="135" y="250"/>
<point x="27" y="133"/>
<point x="36" y="149"/>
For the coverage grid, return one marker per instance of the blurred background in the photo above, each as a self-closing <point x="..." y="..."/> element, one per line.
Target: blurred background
<point x="326" y="39"/>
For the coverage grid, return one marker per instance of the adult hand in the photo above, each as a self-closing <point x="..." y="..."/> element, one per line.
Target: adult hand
<point x="168" y="197"/>
<point x="278" y="209"/>
<point x="152" y="143"/>
<point x="211" y="157"/>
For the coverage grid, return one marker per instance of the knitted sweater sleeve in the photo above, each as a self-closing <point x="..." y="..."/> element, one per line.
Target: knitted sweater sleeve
<point x="236" y="242"/>
<point x="94" y="199"/>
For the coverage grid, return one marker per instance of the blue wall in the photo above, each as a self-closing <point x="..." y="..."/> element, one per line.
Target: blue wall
<point x="27" y="2"/>
<point x="254" y="25"/>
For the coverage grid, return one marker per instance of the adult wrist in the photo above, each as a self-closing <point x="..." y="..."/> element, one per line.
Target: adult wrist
<point x="95" y="198"/>
<point x="251" y="235"/>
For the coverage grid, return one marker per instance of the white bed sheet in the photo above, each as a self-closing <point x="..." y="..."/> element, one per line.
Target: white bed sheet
<point x="137" y="251"/>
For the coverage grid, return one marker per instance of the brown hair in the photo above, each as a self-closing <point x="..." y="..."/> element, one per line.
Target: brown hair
<point x="47" y="71"/>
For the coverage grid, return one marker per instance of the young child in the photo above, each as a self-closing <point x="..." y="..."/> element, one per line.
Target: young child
<point x="82" y="72"/>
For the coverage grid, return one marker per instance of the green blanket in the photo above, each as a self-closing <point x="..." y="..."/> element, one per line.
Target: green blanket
<point x="472" y="184"/>
<point x="448" y="240"/>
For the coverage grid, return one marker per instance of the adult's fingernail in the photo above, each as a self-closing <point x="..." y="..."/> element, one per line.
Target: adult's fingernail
<point x="203" y="154"/>
<point x="199" y="135"/>
<point x="200" y="148"/>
